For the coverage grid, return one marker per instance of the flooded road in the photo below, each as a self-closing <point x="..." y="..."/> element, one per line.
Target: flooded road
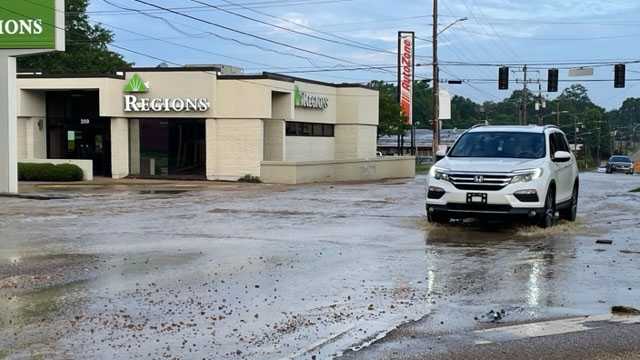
<point x="271" y="272"/>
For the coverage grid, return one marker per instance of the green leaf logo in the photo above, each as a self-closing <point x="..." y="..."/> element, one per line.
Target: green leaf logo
<point x="297" y="96"/>
<point x="136" y="85"/>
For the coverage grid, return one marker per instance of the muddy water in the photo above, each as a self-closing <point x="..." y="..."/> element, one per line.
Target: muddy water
<point x="269" y="272"/>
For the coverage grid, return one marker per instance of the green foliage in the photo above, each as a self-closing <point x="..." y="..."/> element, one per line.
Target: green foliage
<point x="250" y="179"/>
<point x="636" y="190"/>
<point x="49" y="172"/>
<point x="391" y="121"/>
<point x="86" y="47"/>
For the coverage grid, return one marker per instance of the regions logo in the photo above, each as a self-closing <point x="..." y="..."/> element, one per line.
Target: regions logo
<point x="141" y="103"/>
<point x="136" y="85"/>
<point x="309" y="101"/>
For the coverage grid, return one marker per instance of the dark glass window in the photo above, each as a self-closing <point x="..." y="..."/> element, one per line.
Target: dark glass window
<point x="520" y="145"/>
<point x="309" y="129"/>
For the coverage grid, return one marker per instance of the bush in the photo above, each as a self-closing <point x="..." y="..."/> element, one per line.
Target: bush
<point x="49" y="172"/>
<point x="250" y="179"/>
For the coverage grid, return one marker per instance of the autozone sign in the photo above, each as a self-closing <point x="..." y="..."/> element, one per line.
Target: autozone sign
<point x="405" y="74"/>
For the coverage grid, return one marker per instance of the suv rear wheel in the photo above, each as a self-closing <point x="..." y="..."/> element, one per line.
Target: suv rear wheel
<point x="571" y="212"/>
<point x="548" y="215"/>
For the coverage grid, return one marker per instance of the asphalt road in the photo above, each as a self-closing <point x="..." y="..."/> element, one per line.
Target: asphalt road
<point x="240" y="271"/>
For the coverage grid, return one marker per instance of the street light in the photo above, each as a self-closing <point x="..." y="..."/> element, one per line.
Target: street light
<point x="436" y="77"/>
<point x="453" y="23"/>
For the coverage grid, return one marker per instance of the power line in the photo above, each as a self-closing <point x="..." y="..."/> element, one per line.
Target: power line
<point x="254" y="5"/>
<point x="355" y="43"/>
<point x="291" y="30"/>
<point x="248" y="34"/>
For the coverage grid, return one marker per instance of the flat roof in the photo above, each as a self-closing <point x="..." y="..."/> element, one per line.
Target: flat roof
<point x="289" y="78"/>
<point x="263" y="75"/>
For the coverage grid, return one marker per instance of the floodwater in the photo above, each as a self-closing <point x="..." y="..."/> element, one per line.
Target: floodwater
<point x="271" y="272"/>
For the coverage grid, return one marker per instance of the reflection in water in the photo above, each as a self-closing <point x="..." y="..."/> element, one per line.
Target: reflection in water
<point x="533" y="294"/>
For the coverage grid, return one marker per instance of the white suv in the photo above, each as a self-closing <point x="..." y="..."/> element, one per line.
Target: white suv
<point x="505" y="170"/>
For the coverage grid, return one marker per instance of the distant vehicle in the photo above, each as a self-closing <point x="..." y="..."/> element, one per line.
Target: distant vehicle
<point x="620" y="163"/>
<point x="508" y="170"/>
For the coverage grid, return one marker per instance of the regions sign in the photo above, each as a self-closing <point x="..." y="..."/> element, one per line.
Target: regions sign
<point x="309" y="101"/>
<point x="139" y="103"/>
<point x="27" y="24"/>
<point x="405" y="74"/>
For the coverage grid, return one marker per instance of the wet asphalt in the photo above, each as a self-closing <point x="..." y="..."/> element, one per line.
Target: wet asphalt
<point x="239" y="271"/>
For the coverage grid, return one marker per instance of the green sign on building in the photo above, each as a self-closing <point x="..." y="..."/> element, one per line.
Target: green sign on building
<point x="27" y="24"/>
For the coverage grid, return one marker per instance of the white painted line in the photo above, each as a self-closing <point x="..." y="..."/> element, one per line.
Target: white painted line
<point x="548" y="328"/>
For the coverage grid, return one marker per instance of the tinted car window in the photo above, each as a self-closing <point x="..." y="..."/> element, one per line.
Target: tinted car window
<point x="624" y="159"/>
<point x="500" y="145"/>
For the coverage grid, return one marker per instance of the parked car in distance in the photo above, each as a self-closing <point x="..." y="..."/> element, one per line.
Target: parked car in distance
<point x="620" y="163"/>
<point x="505" y="170"/>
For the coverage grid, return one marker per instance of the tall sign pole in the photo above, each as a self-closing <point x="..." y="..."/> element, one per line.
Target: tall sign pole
<point x="26" y="27"/>
<point x="436" y="85"/>
<point x="406" y="76"/>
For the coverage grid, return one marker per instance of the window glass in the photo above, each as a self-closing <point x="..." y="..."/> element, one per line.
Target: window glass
<point x="317" y="130"/>
<point x="553" y="143"/>
<point x="521" y="145"/>
<point x="328" y="130"/>
<point x="294" y="128"/>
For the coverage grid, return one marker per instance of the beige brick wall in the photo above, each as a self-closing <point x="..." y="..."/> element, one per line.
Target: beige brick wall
<point x="291" y="172"/>
<point x="31" y="139"/>
<point x="119" y="148"/>
<point x="274" y="140"/>
<point x="355" y="142"/>
<point x="234" y="148"/>
<point x="307" y="148"/>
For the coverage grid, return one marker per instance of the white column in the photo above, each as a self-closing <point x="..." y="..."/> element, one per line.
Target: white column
<point x="8" y="126"/>
<point x="119" y="148"/>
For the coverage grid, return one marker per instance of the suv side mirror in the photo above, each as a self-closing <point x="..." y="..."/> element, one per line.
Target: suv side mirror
<point x="561" y="156"/>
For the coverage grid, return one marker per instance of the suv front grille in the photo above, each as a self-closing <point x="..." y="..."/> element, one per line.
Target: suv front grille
<point x="480" y="182"/>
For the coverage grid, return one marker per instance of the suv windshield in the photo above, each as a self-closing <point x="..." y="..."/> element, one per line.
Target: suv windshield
<point x="521" y="145"/>
<point x="622" y="159"/>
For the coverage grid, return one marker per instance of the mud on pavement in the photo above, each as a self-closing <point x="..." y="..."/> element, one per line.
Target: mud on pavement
<point x="288" y="272"/>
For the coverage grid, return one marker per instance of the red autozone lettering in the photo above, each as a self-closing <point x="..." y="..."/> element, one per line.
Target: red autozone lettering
<point x="406" y="79"/>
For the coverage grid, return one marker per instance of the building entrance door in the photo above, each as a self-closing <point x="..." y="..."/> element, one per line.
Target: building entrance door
<point x="76" y="131"/>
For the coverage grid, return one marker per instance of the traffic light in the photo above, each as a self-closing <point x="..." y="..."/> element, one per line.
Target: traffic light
<point x="503" y="78"/>
<point x="619" y="80"/>
<point x="552" y="80"/>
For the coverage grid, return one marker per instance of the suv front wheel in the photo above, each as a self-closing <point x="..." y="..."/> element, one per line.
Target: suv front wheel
<point x="547" y="217"/>
<point x="435" y="218"/>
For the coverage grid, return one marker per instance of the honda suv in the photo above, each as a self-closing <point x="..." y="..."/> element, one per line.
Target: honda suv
<point x="505" y="170"/>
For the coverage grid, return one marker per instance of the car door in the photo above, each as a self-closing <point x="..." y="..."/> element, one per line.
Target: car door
<point x="563" y="169"/>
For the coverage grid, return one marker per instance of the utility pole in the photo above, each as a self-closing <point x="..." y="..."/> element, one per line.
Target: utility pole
<point x="524" y="97"/>
<point x="436" y="84"/>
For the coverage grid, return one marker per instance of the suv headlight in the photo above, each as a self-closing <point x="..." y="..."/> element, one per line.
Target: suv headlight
<point x="439" y="173"/>
<point x="526" y="175"/>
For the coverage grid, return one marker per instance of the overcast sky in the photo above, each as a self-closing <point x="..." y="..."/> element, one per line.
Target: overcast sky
<point x="496" y="32"/>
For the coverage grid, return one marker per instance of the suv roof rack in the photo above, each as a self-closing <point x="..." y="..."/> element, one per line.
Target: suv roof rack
<point x="551" y="127"/>
<point x="485" y="123"/>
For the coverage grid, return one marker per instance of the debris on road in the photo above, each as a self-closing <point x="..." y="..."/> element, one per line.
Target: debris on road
<point x="493" y="316"/>
<point x="624" y="310"/>
<point x="604" y="241"/>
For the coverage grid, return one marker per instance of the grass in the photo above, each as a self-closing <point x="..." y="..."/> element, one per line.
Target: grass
<point x="422" y="168"/>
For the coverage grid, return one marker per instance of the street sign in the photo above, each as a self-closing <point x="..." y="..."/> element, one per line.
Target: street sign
<point x="26" y="27"/>
<point x="581" y="71"/>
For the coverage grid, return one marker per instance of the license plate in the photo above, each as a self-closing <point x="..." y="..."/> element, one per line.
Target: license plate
<point x="476" y="198"/>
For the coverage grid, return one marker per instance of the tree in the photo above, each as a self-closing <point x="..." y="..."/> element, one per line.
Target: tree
<point x="86" y="47"/>
<point x="391" y="121"/>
